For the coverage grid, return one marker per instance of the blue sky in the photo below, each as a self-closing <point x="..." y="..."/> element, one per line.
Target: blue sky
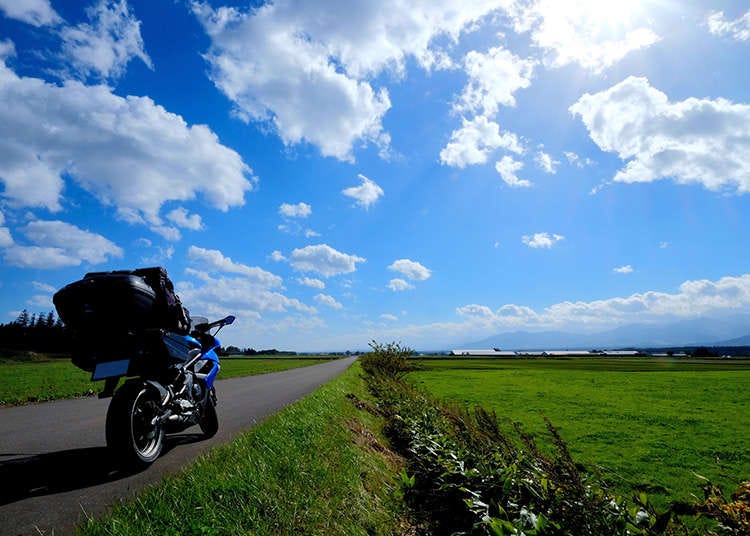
<point x="337" y="172"/>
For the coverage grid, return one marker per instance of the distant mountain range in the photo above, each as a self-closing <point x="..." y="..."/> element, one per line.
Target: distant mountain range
<point x="698" y="332"/>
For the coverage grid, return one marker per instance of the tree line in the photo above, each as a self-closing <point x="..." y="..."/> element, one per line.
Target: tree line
<point x="43" y="332"/>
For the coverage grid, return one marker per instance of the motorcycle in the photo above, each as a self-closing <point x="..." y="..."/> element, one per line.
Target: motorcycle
<point x="144" y="409"/>
<point x="130" y="323"/>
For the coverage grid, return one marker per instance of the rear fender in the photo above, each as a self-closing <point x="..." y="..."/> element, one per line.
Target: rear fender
<point x="164" y="395"/>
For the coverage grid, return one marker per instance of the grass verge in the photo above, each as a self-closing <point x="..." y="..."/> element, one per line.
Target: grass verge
<point x="40" y="379"/>
<point x="313" y="468"/>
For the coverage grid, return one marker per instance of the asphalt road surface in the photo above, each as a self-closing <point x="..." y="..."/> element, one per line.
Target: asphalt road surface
<point x="54" y="469"/>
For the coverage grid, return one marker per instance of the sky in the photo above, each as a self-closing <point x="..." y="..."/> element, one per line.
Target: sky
<point x="426" y="172"/>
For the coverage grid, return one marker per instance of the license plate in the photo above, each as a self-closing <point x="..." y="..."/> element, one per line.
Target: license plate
<point x="109" y="369"/>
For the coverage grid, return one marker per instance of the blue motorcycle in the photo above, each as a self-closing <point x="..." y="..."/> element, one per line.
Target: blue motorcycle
<point x="131" y="324"/>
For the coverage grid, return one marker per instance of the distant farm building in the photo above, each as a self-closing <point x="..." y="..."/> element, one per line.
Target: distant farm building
<point x="483" y="353"/>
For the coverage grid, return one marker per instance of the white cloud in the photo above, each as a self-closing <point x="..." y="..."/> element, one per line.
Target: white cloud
<point x="546" y="162"/>
<point x="181" y="217"/>
<point x="277" y="256"/>
<point x="168" y="232"/>
<point x="541" y="240"/>
<point x="663" y="245"/>
<point x="507" y="168"/>
<point x="738" y="29"/>
<point x="43" y="287"/>
<point x="693" y="299"/>
<point x="575" y="160"/>
<point x="305" y="66"/>
<point x="398" y="284"/>
<point x="389" y="317"/>
<point x="493" y="78"/>
<point x="593" y="34"/>
<point x="366" y="193"/>
<point x="300" y="210"/>
<point x="626" y="269"/>
<point x="475" y="140"/>
<point x="411" y="269"/>
<point x="693" y="141"/>
<point x="58" y="244"/>
<point x="127" y="152"/>
<point x="311" y="282"/>
<point x="34" y="12"/>
<point x="309" y="233"/>
<point x="103" y="48"/>
<point x="324" y="260"/>
<point x="243" y="296"/>
<point x="5" y="237"/>
<point x="214" y="260"/>
<point x="328" y="301"/>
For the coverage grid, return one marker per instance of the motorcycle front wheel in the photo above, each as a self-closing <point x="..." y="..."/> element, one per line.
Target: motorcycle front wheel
<point x="134" y="434"/>
<point x="209" y="421"/>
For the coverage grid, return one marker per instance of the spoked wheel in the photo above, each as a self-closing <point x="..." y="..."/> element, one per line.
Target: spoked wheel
<point x="133" y="432"/>
<point x="209" y="422"/>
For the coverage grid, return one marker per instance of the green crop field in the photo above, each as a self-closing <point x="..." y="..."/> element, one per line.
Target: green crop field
<point x="39" y="378"/>
<point x="647" y="424"/>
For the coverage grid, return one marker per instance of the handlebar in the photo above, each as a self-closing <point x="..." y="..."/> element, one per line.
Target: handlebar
<point x="205" y="326"/>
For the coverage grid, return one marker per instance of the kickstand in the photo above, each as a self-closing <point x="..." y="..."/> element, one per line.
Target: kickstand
<point x="109" y="387"/>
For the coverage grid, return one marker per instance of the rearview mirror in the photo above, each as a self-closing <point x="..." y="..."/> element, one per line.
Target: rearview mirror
<point x="228" y="320"/>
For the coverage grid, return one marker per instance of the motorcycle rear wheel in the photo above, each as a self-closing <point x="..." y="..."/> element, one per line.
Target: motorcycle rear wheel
<point x="132" y="435"/>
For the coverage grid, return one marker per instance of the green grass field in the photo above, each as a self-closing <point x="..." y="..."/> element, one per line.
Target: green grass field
<point x="647" y="423"/>
<point x="37" y="378"/>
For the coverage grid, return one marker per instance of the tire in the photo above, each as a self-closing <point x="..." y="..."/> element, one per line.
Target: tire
<point x="131" y="437"/>
<point x="209" y="422"/>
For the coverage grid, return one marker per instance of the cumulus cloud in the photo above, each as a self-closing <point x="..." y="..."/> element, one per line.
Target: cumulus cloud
<point x="738" y="29"/>
<point x="398" y="284"/>
<point x="127" y="152"/>
<point x="34" y="12"/>
<point x="389" y="317"/>
<point x="507" y="168"/>
<point x="167" y="231"/>
<point x="245" y="297"/>
<point x="366" y="193"/>
<point x="328" y="301"/>
<point x="323" y="259"/>
<point x="575" y="160"/>
<point x="5" y="237"/>
<point x="43" y="287"/>
<point x="103" y="48"/>
<point x="182" y="218"/>
<point x="626" y="269"/>
<point x="541" y="240"/>
<point x="306" y="68"/>
<point x="311" y="282"/>
<point x="413" y="270"/>
<point x="475" y="140"/>
<point x="277" y="256"/>
<point x="300" y="210"/>
<point x="571" y="31"/>
<point x="546" y="162"/>
<point x="700" y="141"/>
<point x="57" y="244"/>
<point x="692" y="300"/>
<point x="214" y="260"/>
<point x="493" y="79"/>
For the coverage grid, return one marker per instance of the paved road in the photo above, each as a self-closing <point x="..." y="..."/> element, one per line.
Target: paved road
<point x="54" y="469"/>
